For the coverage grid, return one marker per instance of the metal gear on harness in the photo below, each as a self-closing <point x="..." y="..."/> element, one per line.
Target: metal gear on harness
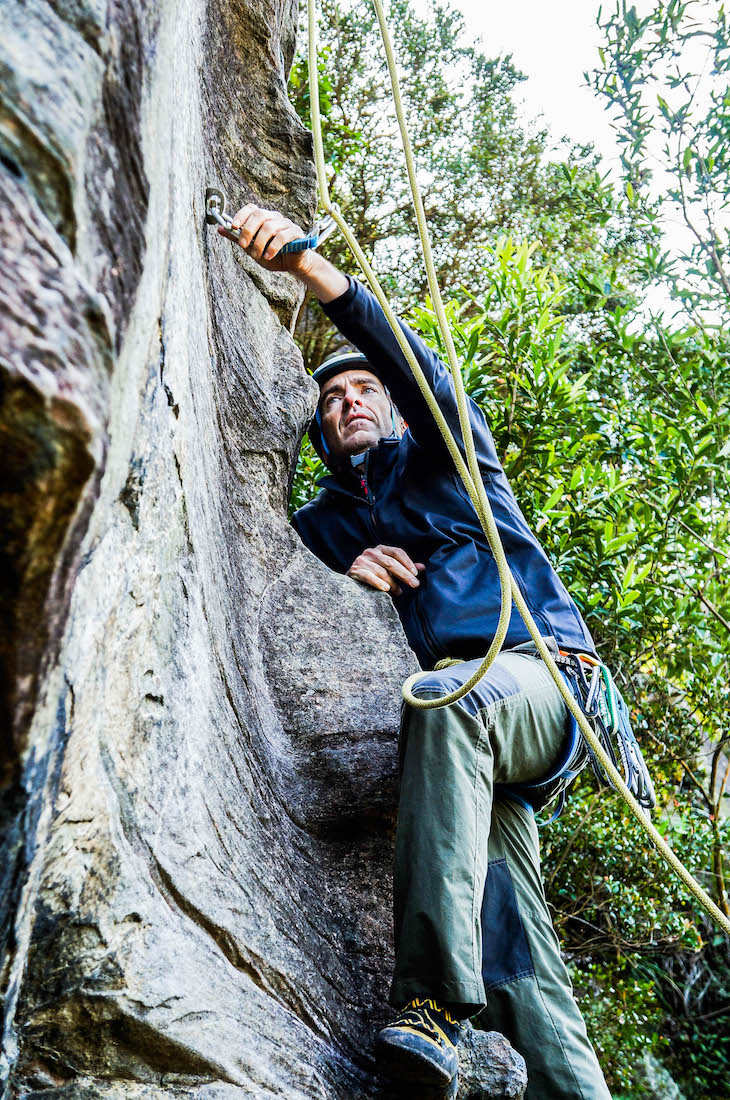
<point x="605" y="709"/>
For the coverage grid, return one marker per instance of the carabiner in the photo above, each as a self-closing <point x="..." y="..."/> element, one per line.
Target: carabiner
<point x="215" y="213"/>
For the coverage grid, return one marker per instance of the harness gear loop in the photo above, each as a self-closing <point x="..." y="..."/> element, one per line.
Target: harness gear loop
<point x="469" y="469"/>
<point x="608" y="715"/>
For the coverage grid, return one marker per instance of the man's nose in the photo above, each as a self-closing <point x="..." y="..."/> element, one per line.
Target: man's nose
<point x="352" y="397"/>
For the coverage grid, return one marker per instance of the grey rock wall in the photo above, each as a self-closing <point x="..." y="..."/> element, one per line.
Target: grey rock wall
<point x="199" y="781"/>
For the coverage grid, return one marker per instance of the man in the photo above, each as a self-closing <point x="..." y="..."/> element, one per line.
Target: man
<point x="473" y="933"/>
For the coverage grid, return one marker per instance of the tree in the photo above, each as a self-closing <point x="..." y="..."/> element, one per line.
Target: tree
<point x="666" y="77"/>
<point x="483" y="172"/>
<point x="613" y="453"/>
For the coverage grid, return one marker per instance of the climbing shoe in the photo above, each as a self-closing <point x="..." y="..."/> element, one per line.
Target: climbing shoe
<point x="420" y="1046"/>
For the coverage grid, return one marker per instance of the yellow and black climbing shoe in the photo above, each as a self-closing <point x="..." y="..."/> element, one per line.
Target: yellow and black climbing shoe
<point x="420" y="1046"/>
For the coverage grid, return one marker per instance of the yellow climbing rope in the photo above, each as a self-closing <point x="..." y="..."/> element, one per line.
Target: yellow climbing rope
<point x="469" y="470"/>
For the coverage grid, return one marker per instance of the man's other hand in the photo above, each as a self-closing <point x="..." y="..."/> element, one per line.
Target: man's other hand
<point x="264" y="233"/>
<point x="386" y="568"/>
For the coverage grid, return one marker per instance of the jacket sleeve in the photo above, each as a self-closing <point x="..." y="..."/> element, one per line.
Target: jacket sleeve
<point x="360" y="319"/>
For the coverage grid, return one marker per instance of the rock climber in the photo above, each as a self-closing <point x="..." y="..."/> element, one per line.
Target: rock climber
<point x="473" y="933"/>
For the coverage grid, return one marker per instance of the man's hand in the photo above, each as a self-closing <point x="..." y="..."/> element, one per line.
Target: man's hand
<point x="383" y="567"/>
<point x="265" y="232"/>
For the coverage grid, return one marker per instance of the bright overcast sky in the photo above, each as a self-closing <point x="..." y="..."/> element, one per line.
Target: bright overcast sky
<point x="553" y="42"/>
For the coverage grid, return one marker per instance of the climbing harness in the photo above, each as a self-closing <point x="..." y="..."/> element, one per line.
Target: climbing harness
<point x="602" y="704"/>
<point x="603" y="755"/>
<point x="469" y="469"/>
<point x="215" y="213"/>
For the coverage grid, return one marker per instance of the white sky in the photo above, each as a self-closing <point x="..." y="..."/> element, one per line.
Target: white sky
<point x="553" y="42"/>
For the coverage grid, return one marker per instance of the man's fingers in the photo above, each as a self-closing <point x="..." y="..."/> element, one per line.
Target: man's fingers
<point x="289" y="232"/>
<point x="268" y="228"/>
<point x="249" y="229"/>
<point x="379" y="572"/>
<point x="383" y="566"/>
<point x="226" y="232"/>
<point x="240" y="218"/>
<point x="399" y="553"/>
<point x="263" y="233"/>
<point x="392" y="559"/>
<point x="251" y="220"/>
<point x="374" y="575"/>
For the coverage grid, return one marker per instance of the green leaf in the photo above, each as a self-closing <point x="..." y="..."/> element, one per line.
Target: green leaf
<point x="553" y="499"/>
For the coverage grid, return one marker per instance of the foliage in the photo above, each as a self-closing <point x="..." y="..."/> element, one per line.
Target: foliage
<point x="310" y="469"/>
<point x="483" y="173"/>
<point x="621" y="466"/>
<point x="623" y="1017"/>
<point x="666" y="76"/>
<point x="695" y="994"/>
<point x="616" y="444"/>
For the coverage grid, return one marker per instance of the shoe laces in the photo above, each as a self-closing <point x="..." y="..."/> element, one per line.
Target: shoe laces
<point x="417" y="1013"/>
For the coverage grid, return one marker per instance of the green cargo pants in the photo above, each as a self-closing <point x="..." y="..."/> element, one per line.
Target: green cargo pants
<point x="471" y="922"/>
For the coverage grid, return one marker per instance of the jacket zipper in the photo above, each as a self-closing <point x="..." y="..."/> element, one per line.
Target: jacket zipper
<point x="417" y="612"/>
<point x="369" y="496"/>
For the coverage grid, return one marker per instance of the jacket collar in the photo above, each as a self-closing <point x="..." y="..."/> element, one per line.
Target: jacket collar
<point x="343" y="483"/>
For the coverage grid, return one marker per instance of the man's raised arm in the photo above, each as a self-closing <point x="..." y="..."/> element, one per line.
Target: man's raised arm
<point x="358" y="316"/>
<point x="265" y="232"/>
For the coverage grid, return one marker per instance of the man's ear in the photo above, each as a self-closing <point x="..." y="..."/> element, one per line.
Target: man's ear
<point x="399" y="423"/>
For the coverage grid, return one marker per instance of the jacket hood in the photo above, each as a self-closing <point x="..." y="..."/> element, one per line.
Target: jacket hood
<point x="336" y="364"/>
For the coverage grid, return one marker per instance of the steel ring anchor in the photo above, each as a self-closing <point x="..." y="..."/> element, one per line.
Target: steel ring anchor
<point x="215" y="214"/>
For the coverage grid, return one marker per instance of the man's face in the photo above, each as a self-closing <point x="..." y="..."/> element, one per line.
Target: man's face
<point x="355" y="413"/>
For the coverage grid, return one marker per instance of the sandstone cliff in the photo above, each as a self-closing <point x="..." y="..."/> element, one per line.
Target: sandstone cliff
<point x="198" y="781"/>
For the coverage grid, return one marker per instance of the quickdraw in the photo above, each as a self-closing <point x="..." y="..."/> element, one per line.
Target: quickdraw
<point x="215" y="214"/>
<point x="604" y="707"/>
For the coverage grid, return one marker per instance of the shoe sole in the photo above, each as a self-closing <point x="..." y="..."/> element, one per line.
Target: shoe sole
<point x="398" y="1061"/>
<point x="427" y="1092"/>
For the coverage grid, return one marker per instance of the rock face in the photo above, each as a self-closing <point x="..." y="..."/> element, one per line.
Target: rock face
<point x="199" y="785"/>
